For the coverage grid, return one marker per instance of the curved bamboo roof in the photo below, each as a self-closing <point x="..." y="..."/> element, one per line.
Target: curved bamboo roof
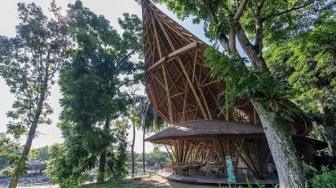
<point x="206" y="128"/>
<point x="178" y="83"/>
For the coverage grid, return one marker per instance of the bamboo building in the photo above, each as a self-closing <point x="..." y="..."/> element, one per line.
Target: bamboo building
<point x="204" y="141"/>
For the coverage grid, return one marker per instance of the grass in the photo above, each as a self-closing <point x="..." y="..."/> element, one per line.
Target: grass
<point x="128" y="183"/>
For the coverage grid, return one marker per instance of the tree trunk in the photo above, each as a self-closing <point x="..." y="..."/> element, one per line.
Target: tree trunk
<point x="102" y="158"/>
<point x="102" y="167"/>
<point x="31" y="134"/>
<point x="143" y="139"/>
<point x="133" y="142"/>
<point x="143" y="151"/>
<point x="288" y="165"/>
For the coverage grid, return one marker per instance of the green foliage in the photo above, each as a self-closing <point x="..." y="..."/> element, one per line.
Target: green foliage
<point x="327" y="179"/>
<point x="92" y="96"/>
<point x="28" y="64"/>
<point x="152" y="122"/>
<point x="132" y="35"/>
<point x="158" y="156"/>
<point x="117" y="158"/>
<point x="39" y="153"/>
<point x="10" y="154"/>
<point x="60" y="168"/>
<point x="280" y="22"/>
<point x="241" y="81"/>
<point x="308" y="65"/>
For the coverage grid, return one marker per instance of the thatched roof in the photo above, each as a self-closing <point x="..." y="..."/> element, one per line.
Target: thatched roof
<point x="205" y="128"/>
<point x="178" y="83"/>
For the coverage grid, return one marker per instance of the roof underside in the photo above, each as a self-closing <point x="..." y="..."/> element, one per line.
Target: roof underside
<point x="198" y="129"/>
<point x="205" y="131"/>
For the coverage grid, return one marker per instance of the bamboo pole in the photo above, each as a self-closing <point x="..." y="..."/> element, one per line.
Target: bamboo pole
<point x="183" y="70"/>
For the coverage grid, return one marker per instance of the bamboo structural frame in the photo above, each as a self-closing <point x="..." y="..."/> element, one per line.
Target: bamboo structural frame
<point x="205" y="128"/>
<point x="178" y="82"/>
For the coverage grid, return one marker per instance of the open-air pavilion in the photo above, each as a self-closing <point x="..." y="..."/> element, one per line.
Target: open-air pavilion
<point x="204" y="140"/>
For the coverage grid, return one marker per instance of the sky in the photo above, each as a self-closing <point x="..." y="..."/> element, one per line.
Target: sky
<point x="112" y="10"/>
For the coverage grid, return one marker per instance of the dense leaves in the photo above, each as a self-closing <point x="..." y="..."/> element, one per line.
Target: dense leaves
<point x="307" y="64"/>
<point x="28" y="63"/>
<point x="93" y="97"/>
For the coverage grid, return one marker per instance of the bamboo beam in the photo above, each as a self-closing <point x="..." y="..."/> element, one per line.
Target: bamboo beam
<point x="177" y="94"/>
<point x="156" y="38"/>
<point x="198" y="86"/>
<point x="178" y="33"/>
<point x="185" y="101"/>
<point x="158" y="80"/>
<point x="170" y="109"/>
<point x="173" y="54"/>
<point x="209" y="83"/>
<point x="170" y="155"/>
<point x="194" y="66"/>
<point x="184" y="71"/>
<point x="152" y="95"/>
<point x="204" y="100"/>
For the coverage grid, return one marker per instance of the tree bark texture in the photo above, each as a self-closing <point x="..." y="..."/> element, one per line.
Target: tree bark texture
<point x="287" y="162"/>
<point x="288" y="165"/>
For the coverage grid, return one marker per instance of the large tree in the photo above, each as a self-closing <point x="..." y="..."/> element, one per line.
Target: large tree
<point x="308" y="64"/>
<point x="92" y="96"/>
<point x="132" y="26"/>
<point x="28" y="63"/>
<point x="254" y="24"/>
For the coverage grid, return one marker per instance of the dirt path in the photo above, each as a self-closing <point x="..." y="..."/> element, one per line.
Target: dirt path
<point x="155" y="181"/>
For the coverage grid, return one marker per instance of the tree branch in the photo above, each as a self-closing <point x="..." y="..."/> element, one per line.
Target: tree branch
<point x="294" y="7"/>
<point x="259" y="25"/>
<point x="222" y="37"/>
<point x="240" y="10"/>
<point x="254" y="55"/>
<point x="119" y="63"/>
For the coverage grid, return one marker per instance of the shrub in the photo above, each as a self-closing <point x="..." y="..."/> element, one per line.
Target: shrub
<point x="327" y="179"/>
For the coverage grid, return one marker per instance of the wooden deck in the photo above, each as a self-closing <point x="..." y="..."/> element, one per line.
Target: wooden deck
<point x="205" y="180"/>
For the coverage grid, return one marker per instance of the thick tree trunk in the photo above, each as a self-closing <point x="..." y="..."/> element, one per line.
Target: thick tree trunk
<point x="288" y="165"/>
<point x="133" y="160"/>
<point x="31" y="133"/>
<point x="102" y="158"/>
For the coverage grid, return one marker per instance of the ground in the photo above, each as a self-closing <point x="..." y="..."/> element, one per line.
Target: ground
<point x="152" y="181"/>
